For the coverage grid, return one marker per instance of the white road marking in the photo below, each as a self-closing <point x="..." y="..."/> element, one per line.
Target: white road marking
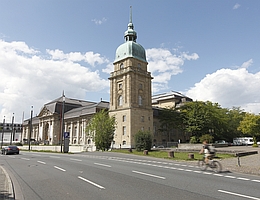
<point x="152" y="175"/>
<point x="41" y="162"/>
<point x="244" y="179"/>
<point x="207" y="173"/>
<point x="102" y="165"/>
<point x="229" y="176"/>
<point x="60" y="168"/>
<point x="88" y="181"/>
<point x="256" y="181"/>
<point x="217" y="175"/>
<point x="75" y="159"/>
<point x="239" y="195"/>
<point x="25" y="158"/>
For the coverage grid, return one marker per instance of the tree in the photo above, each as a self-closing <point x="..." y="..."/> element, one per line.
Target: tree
<point x="143" y="140"/>
<point x="250" y="125"/>
<point x="102" y="128"/>
<point x="200" y="118"/>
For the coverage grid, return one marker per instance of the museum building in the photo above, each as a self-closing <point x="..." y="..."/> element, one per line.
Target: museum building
<point x="131" y="102"/>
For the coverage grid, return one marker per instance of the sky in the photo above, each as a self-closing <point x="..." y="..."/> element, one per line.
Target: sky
<point x="208" y="50"/>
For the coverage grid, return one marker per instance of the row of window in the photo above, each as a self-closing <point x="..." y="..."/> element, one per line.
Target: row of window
<point x="120" y="100"/>
<point x="142" y="118"/>
<point x="122" y="66"/>
<point x="120" y="86"/>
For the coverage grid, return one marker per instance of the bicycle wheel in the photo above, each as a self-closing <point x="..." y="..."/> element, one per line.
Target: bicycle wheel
<point x="216" y="166"/>
<point x="202" y="165"/>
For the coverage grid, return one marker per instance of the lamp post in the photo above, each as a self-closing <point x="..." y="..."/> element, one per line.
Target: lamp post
<point x="12" y="131"/>
<point x="62" y="122"/>
<point x="30" y="133"/>
<point x="3" y="133"/>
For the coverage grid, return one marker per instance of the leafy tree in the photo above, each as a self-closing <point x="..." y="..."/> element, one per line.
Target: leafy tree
<point x="143" y="140"/>
<point x="200" y="118"/>
<point x="170" y="119"/>
<point x="207" y="137"/>
<point x="234" y="116"/>
<point x="102" y="128"/>
<point x="250" y="125"/>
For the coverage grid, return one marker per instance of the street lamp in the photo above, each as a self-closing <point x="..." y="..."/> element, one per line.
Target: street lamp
<point x="62" y="122"/>
<point x="3" y="133"/>
<point x="30" y="133"/>
<point x="12" y="131"/>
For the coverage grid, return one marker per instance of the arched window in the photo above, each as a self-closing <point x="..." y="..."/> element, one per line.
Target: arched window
<point x="140" y="100"/>
<point x="121" y="65"/>
<point x="120" y="100"/>
<point x="124" y="142"/>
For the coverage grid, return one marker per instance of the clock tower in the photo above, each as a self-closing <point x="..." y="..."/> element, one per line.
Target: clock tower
<point x="130" y="91"/>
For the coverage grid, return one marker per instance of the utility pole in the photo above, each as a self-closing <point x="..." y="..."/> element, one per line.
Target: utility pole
<point x="30" y="133"/>
<point x="3" y="133"/>
<point x="12" y="131"/>
<point x="62" y="122"/>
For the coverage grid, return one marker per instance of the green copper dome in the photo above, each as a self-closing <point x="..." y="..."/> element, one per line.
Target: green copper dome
<point x="130" y="48"/>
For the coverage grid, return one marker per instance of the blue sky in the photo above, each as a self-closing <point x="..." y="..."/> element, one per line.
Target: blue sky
<point x="205" y="49"/>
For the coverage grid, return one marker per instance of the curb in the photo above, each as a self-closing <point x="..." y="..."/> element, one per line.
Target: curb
<point x="9" y="191"/>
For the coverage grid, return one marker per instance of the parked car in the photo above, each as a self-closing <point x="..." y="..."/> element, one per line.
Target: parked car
<point x="10" y="150"/>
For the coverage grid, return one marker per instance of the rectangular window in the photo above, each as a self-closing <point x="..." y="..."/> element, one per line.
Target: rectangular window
<point x="140" y="86"/>
<point x="142" y="119"/>
<point x="120" y="85"/>
<point x="124" y="130"/>
<point x="124" y="118"/>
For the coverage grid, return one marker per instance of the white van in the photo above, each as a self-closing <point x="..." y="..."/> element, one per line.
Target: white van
<point x="243" y="141"/>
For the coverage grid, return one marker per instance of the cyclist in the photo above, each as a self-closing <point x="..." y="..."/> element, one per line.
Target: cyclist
<point x="208" y="152"/>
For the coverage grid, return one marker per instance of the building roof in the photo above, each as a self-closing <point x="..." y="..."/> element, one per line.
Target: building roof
<point x="168" y="95"/>
<point x="130" y="48"/>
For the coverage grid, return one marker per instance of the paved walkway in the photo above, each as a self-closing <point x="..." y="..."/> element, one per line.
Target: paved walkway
<point x="6" y="187"/>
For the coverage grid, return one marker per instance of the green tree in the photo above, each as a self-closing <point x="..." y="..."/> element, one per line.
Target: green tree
<point x="143" y="140"/>
<point x="250" y="125"/>
<point x="102" y="127"/>
<point x="170" y="119"/>
<point x="234" y="116"/>
<point x="206" y="137"/>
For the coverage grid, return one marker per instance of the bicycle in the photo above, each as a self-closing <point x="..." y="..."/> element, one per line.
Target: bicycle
<point x="213" y="164"/>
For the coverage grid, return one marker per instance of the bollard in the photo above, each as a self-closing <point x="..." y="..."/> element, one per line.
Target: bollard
<point x="191" y="156"/>
<point x="145" y="152"/>
<point x="171" y="154"/>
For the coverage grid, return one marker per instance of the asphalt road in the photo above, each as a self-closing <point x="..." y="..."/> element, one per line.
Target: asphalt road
<point x="108" y="175"/>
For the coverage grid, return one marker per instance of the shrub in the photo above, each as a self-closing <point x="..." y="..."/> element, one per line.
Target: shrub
<point x="143" y="140"/>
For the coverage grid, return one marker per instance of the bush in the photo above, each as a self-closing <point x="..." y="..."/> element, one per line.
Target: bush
<point x="143" y="140"/>
<point x="193" y="140"/>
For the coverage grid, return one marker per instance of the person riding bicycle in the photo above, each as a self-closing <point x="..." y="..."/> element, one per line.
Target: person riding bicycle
<point x="208" y="151"/>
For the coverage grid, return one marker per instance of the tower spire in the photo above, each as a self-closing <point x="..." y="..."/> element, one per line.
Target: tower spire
<point x="130" y="20"/>
<point x="130" y="34"/>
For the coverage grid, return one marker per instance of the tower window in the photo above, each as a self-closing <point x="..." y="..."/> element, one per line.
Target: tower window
<point x="120" y="85"/>
<point x="121" y="65"/>
<point x="142" y="119"/>
<point x="141" y="86"/>
<point x="140" y="100"/>
<point x="120" y="100"/>
<point x="124" y="118"/>
<point x="124" y="130"/>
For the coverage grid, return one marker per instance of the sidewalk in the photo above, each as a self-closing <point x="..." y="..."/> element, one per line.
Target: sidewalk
<point x="6" y="187"/>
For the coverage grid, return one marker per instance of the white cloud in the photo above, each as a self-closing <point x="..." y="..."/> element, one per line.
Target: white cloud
<point x="230" y="88"/>
<point x="27" y="78"/>
<point x="163" y="65"/>
<point x="99" y="21"/>
<point x="236" y="6"/>
<point x="88" y="57"/>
